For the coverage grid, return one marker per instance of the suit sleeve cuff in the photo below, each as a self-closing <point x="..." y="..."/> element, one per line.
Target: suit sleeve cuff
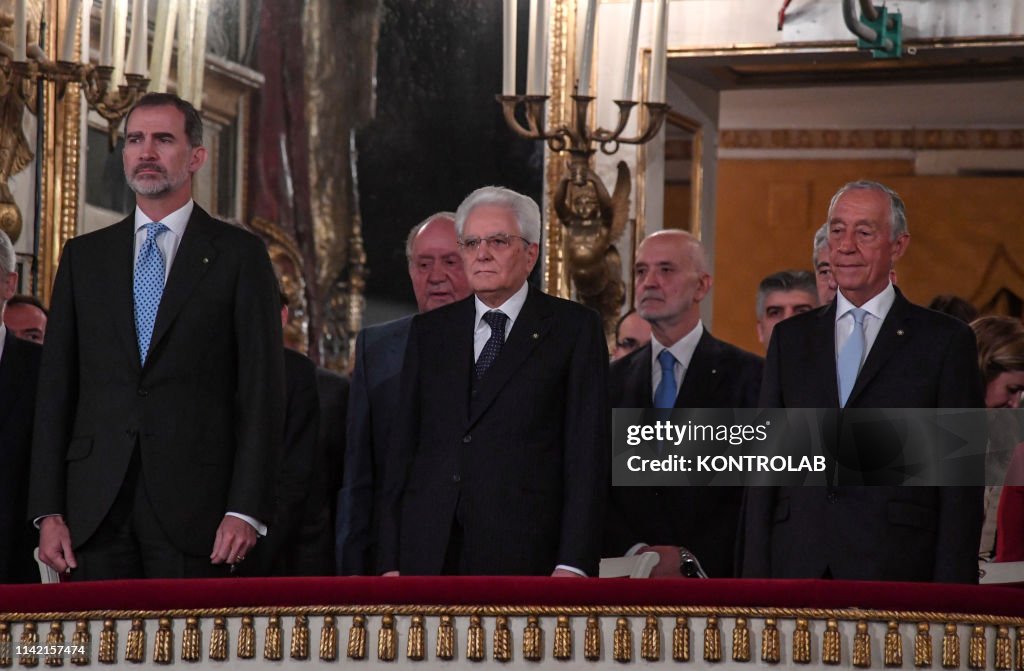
<point x="260" y="527"/>
<point x="39" y="520"/>
<point x="571" y="569"/>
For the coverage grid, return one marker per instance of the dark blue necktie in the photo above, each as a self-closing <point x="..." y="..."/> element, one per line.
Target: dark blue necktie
<point x="148" y="286"/>
<point x="496" y="320"/>
<point x="665" y="394"/>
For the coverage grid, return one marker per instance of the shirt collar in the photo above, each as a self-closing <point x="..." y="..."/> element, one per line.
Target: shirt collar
<point x="511" y="307"/>
<point x="176" y="221"/>
<point x="878" y="307"/>
<point x="3" y="337"/>
<point x="681" y="349"/>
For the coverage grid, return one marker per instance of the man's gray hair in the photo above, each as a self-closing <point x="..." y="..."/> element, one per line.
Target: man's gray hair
<point x="820" y="243"/>
<point x="8" y="260"/>
<point x="526" y="211"/>
<point x="897" y="210"/>
<point x="785" y="280"/>
<point x="450" y="216"/>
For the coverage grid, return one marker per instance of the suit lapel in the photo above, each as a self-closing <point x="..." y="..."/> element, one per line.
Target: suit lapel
<point x="457" y="350"/>
<point x="194" y="256"/>
<point x="823" y="356"/>
<point x="701" y="376"/>
<point x="529" y="330"/>
<point x="9" y="376"/>
<point x="122" y="298"/>
<point x="890" y="339"/>
<point x="637" y="390"/>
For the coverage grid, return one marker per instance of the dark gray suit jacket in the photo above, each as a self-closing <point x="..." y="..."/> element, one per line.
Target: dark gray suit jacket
<point x="206" y="410"/>
<point x="920" y="359"/>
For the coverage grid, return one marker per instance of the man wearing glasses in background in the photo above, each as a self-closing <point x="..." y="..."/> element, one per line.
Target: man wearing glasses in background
<point x="499" y="461"/>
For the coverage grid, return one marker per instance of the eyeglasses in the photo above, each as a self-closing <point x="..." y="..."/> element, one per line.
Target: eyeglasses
<point x="498" y="242"/>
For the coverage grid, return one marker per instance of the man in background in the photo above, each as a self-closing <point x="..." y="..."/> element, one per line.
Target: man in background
<point x="25" y="316"/>
<point x="822" y="267"/>
<point x="631" y="333"/>
<point x="782" y="295"/>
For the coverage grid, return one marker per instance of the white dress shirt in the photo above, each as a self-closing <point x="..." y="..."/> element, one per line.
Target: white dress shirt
<point x="3" y="337"/>
<point x="482" y="330"/>
<point x="876" y="310"/>
<point x="168" y="242"/>
<point x="682" y="350"/>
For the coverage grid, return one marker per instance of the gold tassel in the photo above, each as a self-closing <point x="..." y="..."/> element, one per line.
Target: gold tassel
<point x="29" y="638"/>
<point x="357" y="638"/>
<point x="416" y="647"/>
<point x="950" y="647"/>
<point x="247" y="638"/>
<point x="329" y="640"/>
<point x="831" y="643"/>
<point x="741" y="641"/>
<point x="219" y="640"/>
<point x="272" y="648"/>
<point x="502" y="640"/>
<point x="650" y="640"/>
<point x="108" y="643"/>
<point x="1020" y="649"/>
<point x="976" y="650"/>
<point x="191" y="640"/>
<point x="300" y="638"/>
<point x="622" y="641"/>
<point x="563" y="639"/>
<point x="387" y="647"/>
<point x="55" y="638"/>
<point x="771" y="651"/>
<point x="862" y="646"/>
<point x="532" y="640"/>
<point x="802" y="642"/>
<point x="712" y="640"/>
<point x="681" y="640"/>
<point x="1004" y="651"/>
<point x="6" y="649"/>
<point x="163" y="647"/>
<point x="893" y="645"/>
<point x="592" y="639"/>
<point x="923" y="645"/>
<point x="82" y="642"/>
<point x="135" y="648"/>
<point x="475" y="640"/>
<point x="445" y="648"/>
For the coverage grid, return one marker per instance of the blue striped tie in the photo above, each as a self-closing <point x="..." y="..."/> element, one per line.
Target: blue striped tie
<point x="148" y="286"/>
<point x="851" y="356"/>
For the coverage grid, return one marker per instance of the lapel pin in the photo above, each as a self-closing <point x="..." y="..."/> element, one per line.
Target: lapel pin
<point x="899" y="332"/>
<point x="536" y="335"/>
<point x="714" y="371"/>
<point x="206" y="260"/>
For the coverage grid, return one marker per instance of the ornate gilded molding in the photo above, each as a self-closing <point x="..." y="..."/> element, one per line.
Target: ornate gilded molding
<point x="916" y="139"/>
<point x="288" y="265"/>
<point x="562" y="75"/>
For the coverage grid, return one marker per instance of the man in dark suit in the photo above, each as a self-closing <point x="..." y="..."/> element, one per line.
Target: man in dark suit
<point x="19" y="371"/>
<point x="438" y="278"/>
<point x="672" y="278"/>
<point x="870" y="348"/>
<point x="500" y="453"/>
<point x="160" y="409"/>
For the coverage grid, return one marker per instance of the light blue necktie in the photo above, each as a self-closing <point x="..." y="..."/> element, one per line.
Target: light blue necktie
<point x="665" y="394"/>
<point x="851" y="356"/>
<point x="148" y="286"/>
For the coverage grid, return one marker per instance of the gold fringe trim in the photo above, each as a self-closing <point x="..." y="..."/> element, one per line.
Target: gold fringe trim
<point x="923" y="646"/>
<point x="329" y="640"/>
<point x="681" y="640"/>
<point x="299" y="648"/>
<point x="6" y="653"/>
<point x="771" y="645"/>
<point x="893" y="647"/>
<point x="55" y="638"/>
<point x="502" y="640"/>
<point x="802" y="642"/>
<point x="976" y="648"/>
<point x="416" y="646"/>
<point x="592" y="639"/>
<point x="29" y="638"/>
<point x="532" y="639"/>
<point x="622" y="641"/>
<point x="650" y="640"/>
<point x="135" y="648"/>
<point x="219" y="640"/>
<point x="1019" y="665"/>
<point x="191" y="641"/>
<point x="273" y="650"/>
<point x="108" y="643"/>
<point x="741" y="641"/>
<point x="1004" y="650"/>
<point x="563" y="639"/>
<point x="862" y="646"/>
<point x="357" y="638"/>
<point x="82" y="642"/>
<point x="831" y="643"/>
<point x="475" y="651"/>
<point x="163" y="645"/>
<point x="712" y="640"/>
<point x="387" y="645"/>
<point x="445" y="648"/>
<point x="950" y="647"/>
<point x="247" y="638"/>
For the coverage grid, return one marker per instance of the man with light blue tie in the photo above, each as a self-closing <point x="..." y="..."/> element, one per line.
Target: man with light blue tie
<point x="160" y="405"/>
<point x="683" y="366"/>
<point x="870" y="348"/>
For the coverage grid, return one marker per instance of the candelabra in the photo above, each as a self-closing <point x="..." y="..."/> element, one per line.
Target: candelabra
<point x="593" y="218"/>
